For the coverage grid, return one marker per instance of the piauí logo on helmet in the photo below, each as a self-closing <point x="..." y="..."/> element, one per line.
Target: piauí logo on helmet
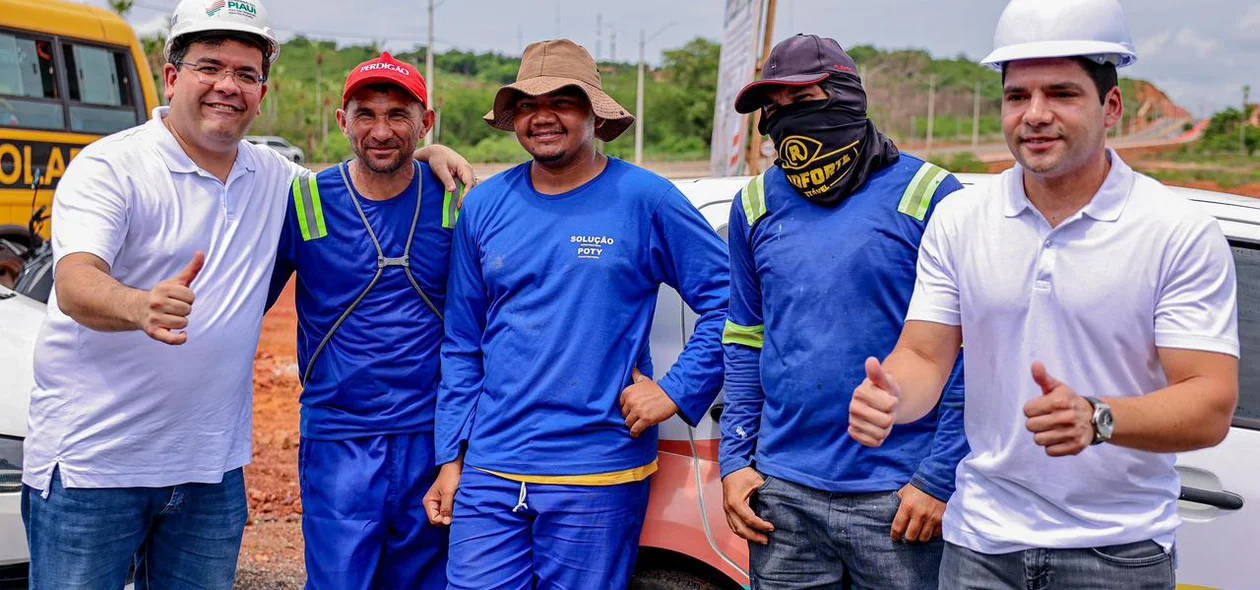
<point x="234" y="8"/>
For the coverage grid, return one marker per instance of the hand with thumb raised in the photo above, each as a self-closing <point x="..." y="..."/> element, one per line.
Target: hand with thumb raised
<point x="163" y="311"/>
<point x="873" y="411"/>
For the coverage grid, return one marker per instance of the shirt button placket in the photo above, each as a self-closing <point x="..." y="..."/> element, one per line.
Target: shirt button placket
<point x="1045" y="265"/>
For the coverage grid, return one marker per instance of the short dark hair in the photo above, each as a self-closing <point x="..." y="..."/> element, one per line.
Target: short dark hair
<point x="1103" y="74"/>
<point x="179" y="50"/>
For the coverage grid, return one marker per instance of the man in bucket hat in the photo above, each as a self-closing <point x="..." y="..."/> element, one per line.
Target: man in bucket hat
<point x="800" y="325"/>
<point x="546" y="411"/>
<point x="368" y="337"/>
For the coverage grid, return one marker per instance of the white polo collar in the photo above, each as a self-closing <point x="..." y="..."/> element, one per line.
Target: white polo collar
<point x="177" y="160"/>
<point x="1106" y="205"/>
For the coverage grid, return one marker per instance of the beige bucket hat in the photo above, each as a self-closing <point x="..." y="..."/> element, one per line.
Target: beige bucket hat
<point x="548" y="66"/>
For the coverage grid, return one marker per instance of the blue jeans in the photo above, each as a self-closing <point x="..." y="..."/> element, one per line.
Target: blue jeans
<point x="828" y="540"/>
<point x="1134" y="566"/>
<point x="511" y="536"/>
<point x="184" y="536"/>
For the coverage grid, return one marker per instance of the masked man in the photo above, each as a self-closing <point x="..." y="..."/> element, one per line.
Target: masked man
<point x="823" y="248"/>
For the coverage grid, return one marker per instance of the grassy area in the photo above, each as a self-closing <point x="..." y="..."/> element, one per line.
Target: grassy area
<point x="1190" y="154"/>
<point x="1227" y="180"/>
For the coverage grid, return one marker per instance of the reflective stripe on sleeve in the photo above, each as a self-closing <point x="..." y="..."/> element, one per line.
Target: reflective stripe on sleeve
<point x="918" y="196"/>
<point x="310" y="211"/>
<point x="750" y="336"/>
<point x="450" y="206"/>
<point x="755" y="199"/>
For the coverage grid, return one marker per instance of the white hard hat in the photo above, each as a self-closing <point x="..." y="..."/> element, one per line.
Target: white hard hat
<point x="1037" y="29"/>
<point x="244" y="16"/>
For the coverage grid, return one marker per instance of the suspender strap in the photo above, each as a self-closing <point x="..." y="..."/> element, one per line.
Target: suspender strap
<point x="382" y="262"/>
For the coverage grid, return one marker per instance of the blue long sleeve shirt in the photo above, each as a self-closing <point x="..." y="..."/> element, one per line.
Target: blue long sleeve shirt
<point x="814" y="292"/>
<point x="378" y="374"/>
<point x="551" y="306"/>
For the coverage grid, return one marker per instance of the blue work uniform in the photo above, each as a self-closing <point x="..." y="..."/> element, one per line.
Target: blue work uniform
<point x="371" y="284"/>
<point x="553" y="306"/>
<point x="815" y="291"/>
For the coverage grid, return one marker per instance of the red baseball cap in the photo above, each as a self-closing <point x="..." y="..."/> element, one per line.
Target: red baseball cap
<point x="386" y="70"/>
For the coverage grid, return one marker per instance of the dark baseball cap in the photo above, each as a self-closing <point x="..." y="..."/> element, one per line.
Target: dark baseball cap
<point x="799" y="60"/>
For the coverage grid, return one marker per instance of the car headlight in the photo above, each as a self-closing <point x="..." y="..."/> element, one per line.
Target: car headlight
<point x="10" y="465"/>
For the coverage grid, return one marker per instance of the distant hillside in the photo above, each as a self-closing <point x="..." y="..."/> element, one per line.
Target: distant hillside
<point x="679" y="98"/>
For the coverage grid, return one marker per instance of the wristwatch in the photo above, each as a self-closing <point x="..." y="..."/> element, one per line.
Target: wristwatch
<point x="1104" y="423"/>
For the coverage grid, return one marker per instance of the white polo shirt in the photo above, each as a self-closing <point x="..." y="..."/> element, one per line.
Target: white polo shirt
<point x="1138" y="268"/>
<point x="118" y="409"/>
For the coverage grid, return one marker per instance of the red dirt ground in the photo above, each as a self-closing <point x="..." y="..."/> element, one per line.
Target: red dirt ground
<point x="271" y="555"/>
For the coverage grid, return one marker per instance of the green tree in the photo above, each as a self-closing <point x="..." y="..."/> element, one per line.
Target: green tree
<point x="122" y="7"/>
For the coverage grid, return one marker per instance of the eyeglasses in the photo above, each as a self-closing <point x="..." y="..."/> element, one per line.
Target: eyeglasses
<point x="210" y="74"/>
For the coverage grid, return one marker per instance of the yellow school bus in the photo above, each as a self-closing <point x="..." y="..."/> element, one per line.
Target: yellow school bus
<point x="69" y="75"/>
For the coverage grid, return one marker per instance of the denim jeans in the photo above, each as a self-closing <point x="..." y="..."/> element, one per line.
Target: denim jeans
<point x="184" y="536"/>
<point x="1134" y="566"/>
<point x="828" y="540"/>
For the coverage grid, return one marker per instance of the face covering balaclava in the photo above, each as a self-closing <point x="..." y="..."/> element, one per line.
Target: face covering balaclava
<point x="829" y="148"/>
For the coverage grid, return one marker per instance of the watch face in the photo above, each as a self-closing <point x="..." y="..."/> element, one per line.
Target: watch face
<point x="1105" y="423"/>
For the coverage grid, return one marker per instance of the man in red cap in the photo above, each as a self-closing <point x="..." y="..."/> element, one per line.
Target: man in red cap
<point x="370" y="241"/>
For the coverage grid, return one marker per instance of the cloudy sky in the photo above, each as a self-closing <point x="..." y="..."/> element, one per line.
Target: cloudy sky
<point x="1199" y="51"/>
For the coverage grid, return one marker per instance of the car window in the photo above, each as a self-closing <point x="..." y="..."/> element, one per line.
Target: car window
<point x="101" y="89"/>
<point x="28" y="83"/>
<point x="1247" y="263"/>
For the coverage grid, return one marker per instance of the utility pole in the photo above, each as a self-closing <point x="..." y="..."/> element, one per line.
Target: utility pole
<point x="931" y="112"/>
<point x="599" y="36"/>
<point x="428" y="69"/>
<point x="975" y="119"/>
<point x="639" y="121"/>
<point x="1242" y="123"/>
<point x="319" y="100"/>
<point x="638" y="106"/>
<point x="752" y="155"/>
<point x="613" y="44"/>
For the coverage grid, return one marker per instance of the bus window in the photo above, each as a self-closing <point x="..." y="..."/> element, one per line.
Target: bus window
<point x="102" y="93"/>
<point x="28" y="84"/>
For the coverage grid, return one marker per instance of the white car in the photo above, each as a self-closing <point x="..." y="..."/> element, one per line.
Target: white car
<point x="20" y="318"/>
<point x="686" y="542"/>
<point x="285" y="148"/>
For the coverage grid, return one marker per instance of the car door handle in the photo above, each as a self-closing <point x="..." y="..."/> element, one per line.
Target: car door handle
<point x="1222" y="500"/>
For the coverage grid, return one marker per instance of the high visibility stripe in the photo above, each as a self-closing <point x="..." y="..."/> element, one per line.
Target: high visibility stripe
<point x="755" y="199"/>
<point x="310" y="210"/>
<point x="450" y="206"/>
<point x="750" y="336"/>
<point x="300" y="206"/>
<point x="918" y="196"/>
<point x="595" y="479"/>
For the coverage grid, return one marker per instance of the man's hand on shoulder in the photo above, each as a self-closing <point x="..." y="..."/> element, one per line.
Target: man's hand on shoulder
<point x="448" y="166"/>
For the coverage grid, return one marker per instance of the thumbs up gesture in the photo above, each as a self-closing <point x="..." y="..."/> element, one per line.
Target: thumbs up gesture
<point x="164" y="309"/>
<point x="873" y="410"/>
<point x="1060" y="419"/>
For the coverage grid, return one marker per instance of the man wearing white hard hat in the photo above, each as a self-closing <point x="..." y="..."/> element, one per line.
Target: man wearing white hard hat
<point x="1101" y="324"/>
<point x="164" y="236"/>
